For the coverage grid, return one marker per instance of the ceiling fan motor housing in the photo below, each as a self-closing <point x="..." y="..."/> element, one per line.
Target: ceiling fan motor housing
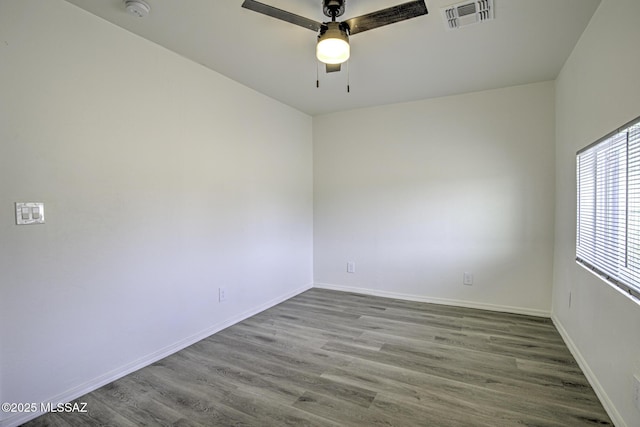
<point x="333" y="8"/>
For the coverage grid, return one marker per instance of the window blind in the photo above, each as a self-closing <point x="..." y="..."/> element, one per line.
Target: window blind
<point x="608" y="207"/>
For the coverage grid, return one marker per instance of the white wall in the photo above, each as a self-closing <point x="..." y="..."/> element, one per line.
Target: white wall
<point x="597" y="91"/>
<point x="418" y="193"/>
<point x="162" y="181"/>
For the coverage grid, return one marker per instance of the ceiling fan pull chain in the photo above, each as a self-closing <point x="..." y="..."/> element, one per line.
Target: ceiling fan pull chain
<point x="348" y="75"/>
<point x="317" y="75"/>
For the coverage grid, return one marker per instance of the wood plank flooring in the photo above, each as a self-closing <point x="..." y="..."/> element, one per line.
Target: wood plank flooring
<point x="327" y="358"/>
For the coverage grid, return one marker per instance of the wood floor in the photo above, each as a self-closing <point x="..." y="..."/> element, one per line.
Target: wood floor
<point x="327" y="358"/>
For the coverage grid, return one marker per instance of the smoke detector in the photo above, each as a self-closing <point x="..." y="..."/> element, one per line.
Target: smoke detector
<point x="137" y="8"/>
<point x="467" y="13"/>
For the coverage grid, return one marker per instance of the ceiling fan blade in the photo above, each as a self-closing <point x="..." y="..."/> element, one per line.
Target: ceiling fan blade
<point x="387" y="16"/>
<point x="283" y="15"/>
<point x="332" y="68"/>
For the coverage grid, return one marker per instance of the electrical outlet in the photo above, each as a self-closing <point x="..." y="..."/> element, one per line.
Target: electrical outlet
<point x="636" y="391"/>
<point x="467" y="279"/>
<point x="351" y="267"/>
<point x="222" y="294"/>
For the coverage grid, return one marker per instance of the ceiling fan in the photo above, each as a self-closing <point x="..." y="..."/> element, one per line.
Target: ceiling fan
<point x="333" y="37"/>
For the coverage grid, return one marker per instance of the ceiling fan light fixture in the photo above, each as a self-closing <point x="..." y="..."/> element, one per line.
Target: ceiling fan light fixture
<point x="333" y="44"/>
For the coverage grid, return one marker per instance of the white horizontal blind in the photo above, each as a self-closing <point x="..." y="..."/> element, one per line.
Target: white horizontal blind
<point x="608" y="221"/>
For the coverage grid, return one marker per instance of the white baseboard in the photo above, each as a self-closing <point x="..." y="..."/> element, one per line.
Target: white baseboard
<point x="608" y="405"/>
<point x="443" y="301"/>
<point x="89" y="386"/>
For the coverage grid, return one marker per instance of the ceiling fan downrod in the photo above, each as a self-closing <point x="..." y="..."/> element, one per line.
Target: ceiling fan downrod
<point x="333" y="8"/>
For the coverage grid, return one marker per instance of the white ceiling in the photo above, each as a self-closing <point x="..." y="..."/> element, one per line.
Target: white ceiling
<point x="528" y="41"/>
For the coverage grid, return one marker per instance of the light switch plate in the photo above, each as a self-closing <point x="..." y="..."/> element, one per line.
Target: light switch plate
<point x="29" y="213"/>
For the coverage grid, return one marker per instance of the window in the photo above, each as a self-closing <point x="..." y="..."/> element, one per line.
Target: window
<point x="608" y="221"/>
